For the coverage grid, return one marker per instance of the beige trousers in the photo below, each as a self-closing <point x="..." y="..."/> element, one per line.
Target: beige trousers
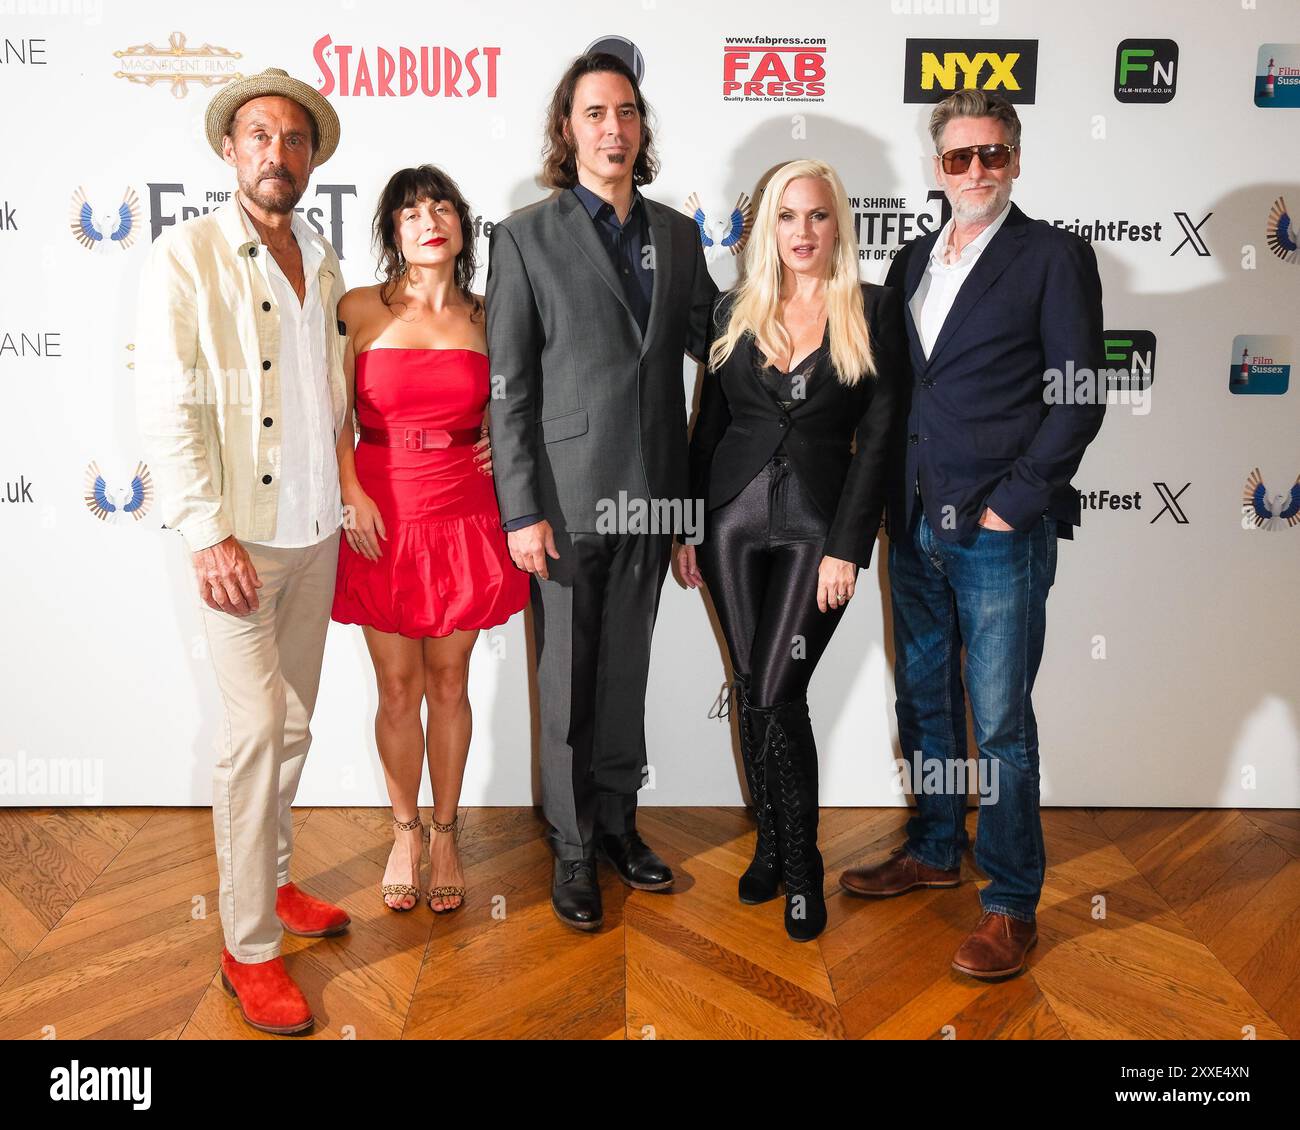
<point x="268" y="668"/>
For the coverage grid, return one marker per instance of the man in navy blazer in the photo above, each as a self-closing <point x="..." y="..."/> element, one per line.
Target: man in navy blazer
<point x="1004" y="326"/>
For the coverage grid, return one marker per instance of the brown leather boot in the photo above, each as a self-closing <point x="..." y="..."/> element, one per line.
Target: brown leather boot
<point x="996" y="948"/>
<point x="895" y="876"/>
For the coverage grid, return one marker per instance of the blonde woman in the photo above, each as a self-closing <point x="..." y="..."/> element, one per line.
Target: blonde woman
<point x="804" y="360"/>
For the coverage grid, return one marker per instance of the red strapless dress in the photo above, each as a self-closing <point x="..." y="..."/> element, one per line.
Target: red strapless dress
<point x="445" y="565"/>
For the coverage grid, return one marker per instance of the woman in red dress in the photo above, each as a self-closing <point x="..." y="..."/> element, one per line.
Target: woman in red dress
<point x="423" y="565"/>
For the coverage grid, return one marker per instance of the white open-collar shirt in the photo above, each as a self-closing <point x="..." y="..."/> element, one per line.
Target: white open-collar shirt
<point x="310" y="507"/>
<point x="938" y="288"/>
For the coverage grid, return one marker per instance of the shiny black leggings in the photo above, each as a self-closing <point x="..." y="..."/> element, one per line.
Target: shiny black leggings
<point x="759" y="558"/>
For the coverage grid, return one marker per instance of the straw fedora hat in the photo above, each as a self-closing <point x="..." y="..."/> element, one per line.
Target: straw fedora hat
<point x="274" y="81"/>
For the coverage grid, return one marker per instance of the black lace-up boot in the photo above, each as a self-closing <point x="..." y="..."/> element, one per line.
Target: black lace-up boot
<point x="761" y="880"/>
<point x="791" y="757"/>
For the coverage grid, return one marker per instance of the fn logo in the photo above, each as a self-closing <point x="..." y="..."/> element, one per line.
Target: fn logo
<point x="1130" y="359"/>
<point x="1146" y="70"/>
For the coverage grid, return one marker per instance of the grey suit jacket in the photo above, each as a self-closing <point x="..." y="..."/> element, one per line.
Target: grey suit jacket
<point x="583" y="407"/>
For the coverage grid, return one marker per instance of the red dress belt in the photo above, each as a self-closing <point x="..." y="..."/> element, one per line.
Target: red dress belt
<point x="420" y="439"/>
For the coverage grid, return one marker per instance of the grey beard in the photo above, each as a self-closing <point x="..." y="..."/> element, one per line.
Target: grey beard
<point x="280" y="206"/>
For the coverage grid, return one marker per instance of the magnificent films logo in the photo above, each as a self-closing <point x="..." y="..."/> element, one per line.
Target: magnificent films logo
<point x="178" y="65"/>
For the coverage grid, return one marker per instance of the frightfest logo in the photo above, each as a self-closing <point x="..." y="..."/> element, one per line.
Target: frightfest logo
<point x="883" y="224"/>
<point x="170" y="204"/>
<point x="104" y="226"/>
<point x="350" y="71"/>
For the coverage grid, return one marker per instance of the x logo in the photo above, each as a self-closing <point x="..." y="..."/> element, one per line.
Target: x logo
<point x="1191" y="233"/>
<point x="1171" y="500"/>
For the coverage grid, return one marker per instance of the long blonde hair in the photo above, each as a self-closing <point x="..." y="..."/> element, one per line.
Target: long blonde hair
<point x="758" y="296"/>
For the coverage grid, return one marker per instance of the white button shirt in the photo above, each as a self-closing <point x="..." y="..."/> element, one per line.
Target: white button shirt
<point x="310" y="506"/>
<point x="938" y="288"/>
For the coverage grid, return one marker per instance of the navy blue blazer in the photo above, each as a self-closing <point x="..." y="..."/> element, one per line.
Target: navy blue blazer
<point x="980" y="431"/>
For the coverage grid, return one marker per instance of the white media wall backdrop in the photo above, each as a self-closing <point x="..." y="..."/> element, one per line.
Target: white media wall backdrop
<point x="1164" y="132"/>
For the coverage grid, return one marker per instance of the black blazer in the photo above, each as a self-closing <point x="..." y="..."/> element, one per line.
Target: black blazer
<point x="979" y="429"/>
<point x="740" y="426"/>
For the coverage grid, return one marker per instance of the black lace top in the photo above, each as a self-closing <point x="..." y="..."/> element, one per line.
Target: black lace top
<point x="787" y="388"/>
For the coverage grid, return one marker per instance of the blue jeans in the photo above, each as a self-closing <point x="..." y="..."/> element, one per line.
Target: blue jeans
<point x="988" y="593"/>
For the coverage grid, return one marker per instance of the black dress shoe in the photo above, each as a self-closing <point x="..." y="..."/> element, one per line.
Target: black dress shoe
<point x="575" y="894"/>
<point x="635" y="863"/>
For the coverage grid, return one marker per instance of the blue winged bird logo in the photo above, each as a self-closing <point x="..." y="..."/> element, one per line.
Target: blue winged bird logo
<point x="118" y="225"/>
<point x="1281" y="232"/>
<point x="110" y="504"/>
<point x="731" y="233"/>
<point x="1266" y="513"/>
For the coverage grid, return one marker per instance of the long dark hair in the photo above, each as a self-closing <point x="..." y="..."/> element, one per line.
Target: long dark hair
<point x="559" y="158"/>
<point x="404" y="188"/>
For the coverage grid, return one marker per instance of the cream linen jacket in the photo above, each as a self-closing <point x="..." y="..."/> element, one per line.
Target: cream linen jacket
<point x="207" y="376"/>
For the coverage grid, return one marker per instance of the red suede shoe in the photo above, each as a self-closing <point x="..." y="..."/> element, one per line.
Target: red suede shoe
<point x="308" y="917"/>
<point x="267" y="997"/>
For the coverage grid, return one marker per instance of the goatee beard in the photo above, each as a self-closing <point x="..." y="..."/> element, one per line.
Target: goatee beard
<point x="280" y="205"/>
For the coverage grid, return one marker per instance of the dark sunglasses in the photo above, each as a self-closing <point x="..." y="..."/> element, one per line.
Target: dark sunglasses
<point x="991" y="157"/>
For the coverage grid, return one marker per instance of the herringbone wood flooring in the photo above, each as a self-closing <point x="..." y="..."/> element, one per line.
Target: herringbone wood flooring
<point x="1154" y="923"/>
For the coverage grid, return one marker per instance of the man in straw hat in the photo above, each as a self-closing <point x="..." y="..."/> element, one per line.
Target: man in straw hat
<point x="241" y="404"/>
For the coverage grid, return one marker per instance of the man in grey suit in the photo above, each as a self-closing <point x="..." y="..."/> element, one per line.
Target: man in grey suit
<point x="593" y="295"/>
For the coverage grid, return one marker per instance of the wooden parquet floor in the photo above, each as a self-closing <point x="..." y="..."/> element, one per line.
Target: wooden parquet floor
<point x="1154" y="924"/>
